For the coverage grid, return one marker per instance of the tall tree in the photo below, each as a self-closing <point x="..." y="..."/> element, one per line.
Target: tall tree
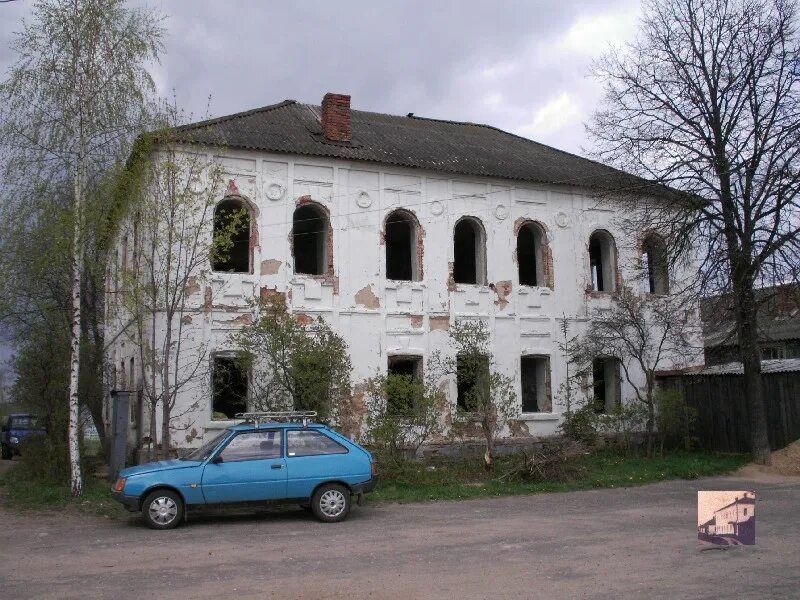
<point x="707" y="100"/>
<point x="645" y="334"/>
<point x="73" y="98"/>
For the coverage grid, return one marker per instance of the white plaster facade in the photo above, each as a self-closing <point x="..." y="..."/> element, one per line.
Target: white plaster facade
<point x="409" y="318"/>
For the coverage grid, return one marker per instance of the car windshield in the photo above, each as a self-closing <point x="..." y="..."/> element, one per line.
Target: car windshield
<point x="204" y="451"/>
<point x="24" y="422"/>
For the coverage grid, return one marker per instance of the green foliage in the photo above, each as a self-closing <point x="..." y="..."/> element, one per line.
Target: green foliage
<point x="623" y="424"/>
<point x="675" y="419"/>
<point x="404" y="412"/>
<point x="457" y="480"/>
<point x="580" y="424"/>
<point x="294" y="366"/>
<point x="489" y="397"/>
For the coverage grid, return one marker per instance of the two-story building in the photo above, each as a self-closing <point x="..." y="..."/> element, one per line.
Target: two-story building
<point x="393" y="227"/>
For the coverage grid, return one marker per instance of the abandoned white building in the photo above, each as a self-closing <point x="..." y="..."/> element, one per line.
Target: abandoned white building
<point x="392" y="227"/>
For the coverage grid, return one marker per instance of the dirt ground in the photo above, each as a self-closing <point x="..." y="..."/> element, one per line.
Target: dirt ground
<point x="616" y="543"/>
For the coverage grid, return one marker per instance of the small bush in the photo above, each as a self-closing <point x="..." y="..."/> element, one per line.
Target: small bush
<point x="623" y="424"/>
<point x="675" y="419"/>
<point x="581" y="425"/>
<point x="404" y="413"/>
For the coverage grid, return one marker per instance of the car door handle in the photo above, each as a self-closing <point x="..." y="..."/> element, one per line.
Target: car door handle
<point x="277" y="466"/>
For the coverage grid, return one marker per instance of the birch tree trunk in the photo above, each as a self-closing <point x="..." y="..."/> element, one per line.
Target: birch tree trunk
<point x="76" y="478"/>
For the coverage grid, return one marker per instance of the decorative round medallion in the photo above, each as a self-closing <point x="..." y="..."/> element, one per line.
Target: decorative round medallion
<point x="275" y="191"/>
<point x="363" y="199"/>
<point x="501" y="212"/>
<point x="562" y="219"/>
<point x="437" y="208"/>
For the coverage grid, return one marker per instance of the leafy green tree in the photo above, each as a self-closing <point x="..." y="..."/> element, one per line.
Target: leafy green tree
<point x="294" y="365"/>
<point x="488" y="400"/>
<point x="403" y="413"/>
<point x="69" y="107"/>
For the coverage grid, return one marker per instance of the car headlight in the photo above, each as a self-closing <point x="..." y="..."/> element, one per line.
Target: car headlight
<point x="13" y="440"/>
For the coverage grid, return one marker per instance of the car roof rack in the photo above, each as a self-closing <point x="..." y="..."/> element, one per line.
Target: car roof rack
<point x="278" y="416"/>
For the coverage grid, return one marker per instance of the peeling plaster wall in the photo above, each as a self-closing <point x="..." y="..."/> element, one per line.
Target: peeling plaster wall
<point x="380" y="317"/>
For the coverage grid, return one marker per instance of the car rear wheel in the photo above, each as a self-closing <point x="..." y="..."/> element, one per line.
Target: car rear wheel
<point x="331" y="503"/>
<point x="162" y="509"/>
<point x="7" y="454"/>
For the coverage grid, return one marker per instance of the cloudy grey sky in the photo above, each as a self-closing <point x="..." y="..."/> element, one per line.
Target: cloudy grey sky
<point x="521" y="66"/>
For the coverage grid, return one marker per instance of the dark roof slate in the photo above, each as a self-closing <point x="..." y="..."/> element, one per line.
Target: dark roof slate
<point x="448" y="146"/>
<point x="778" y="316"/>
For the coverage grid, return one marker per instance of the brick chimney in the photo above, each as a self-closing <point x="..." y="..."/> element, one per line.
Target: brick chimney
<point x="335" y="117"/>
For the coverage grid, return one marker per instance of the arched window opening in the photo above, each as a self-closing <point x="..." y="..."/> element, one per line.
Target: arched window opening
<point x="469" y="257"/>
<point x="310" y="240"/>
<point x="401" y="247"/>
<point x="602" y="261"/>
<point x="530" y="255"/>
<point x="231" y="237"/>
<point x="655" y="265"/>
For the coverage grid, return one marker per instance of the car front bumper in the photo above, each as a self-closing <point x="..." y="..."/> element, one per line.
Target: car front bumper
<point x="129" y="502"/>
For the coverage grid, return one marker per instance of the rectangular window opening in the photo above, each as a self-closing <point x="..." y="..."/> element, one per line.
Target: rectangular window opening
<point x="606" y="384"/>
<point x="472" y="381"/>
<point x="229" y="388"/>
<point x="535" y="379"/>
<point x="404" y="384"/>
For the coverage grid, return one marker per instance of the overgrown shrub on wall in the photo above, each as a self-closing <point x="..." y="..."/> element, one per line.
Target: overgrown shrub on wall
<point x="403" y="414"/>
<point x="293" y="365"/>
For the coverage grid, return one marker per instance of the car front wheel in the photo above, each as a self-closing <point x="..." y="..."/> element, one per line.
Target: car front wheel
<point x="331" y="503"/>
<point x="162" y="509"/>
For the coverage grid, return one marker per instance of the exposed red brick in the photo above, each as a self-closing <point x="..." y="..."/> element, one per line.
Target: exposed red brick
<point x="303" y="319"/>
<point x="335" y="117"/>
<point x="416" y="321"/>
<point x="186" y="319"/>
<point x="265" y="293"/>
<point x="232" y="189"/>
<point x="208" y="296"/>
<point x="451" y="282"/>
<point x="440" y="323"/>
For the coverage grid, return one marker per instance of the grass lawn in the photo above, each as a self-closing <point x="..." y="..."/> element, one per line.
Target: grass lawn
<point x="606" y="469"/>
<point x="415" y="482"/>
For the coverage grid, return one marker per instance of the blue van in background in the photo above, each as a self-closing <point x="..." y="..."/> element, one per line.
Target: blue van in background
<point x="14" y="429"/>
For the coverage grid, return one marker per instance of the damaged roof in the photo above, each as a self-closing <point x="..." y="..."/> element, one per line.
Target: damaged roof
<point x="778" y="316"/>
<point x="449" y="146"/>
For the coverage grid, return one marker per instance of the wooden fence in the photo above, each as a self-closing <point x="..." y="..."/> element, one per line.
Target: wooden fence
<point x="722" y="415"/>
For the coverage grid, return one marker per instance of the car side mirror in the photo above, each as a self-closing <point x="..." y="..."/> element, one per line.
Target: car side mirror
<point x="217" y="459"/>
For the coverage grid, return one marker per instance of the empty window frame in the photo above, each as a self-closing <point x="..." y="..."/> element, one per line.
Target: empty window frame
<point x="530" y="255"/>
<point x="602" y="261"/>
<point x="403" y="384"/>
<point x="535" y="380"/>
<point x="401" y="238"/>
<point x="310" y="240"/>
<point x="469" y="252"/>
<point x="231" y="237"/>
<point x="472" y="381"/>
<point x="655" y="265"/>
<point x="229" y="387"/>
<point x="606" y="384"/>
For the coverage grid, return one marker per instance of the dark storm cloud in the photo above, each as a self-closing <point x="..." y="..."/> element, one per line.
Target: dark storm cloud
<point x="518" y="65"/>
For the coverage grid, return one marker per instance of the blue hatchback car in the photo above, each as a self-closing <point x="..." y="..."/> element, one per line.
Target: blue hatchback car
<point x="260" y="461"/>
